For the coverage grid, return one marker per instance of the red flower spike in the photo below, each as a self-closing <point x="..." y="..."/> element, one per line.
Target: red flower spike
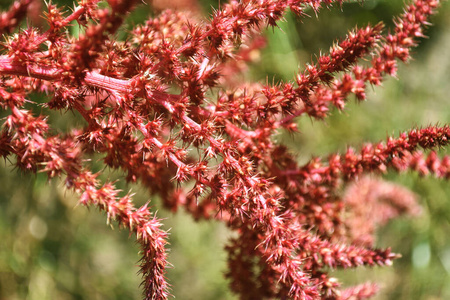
<point x="288" y="219"/>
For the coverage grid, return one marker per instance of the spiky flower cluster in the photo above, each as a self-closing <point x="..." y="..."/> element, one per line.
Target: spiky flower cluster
<point x="168" y="89"/>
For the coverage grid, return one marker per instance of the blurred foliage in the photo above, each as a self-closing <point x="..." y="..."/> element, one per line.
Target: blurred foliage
<point x="51" y="248"/>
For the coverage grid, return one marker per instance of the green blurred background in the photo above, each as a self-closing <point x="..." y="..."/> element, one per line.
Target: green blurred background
<point x="51" y="248"/>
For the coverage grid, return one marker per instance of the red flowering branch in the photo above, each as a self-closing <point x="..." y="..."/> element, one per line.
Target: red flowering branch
<point x="35" y="148"/>
<point x="372" y="202"/>
<point x="147" y="228"/>
<point x="147" y="105"/>
<point x="397" y="153"/>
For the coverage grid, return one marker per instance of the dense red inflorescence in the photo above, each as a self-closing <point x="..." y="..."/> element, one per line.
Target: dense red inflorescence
<point x="292" y="222"/>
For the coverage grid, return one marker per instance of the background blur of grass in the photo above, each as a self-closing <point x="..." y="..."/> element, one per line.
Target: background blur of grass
<point x="50" y="248"/>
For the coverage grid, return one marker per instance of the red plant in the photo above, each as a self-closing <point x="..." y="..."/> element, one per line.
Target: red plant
<point x="168" y="89"/>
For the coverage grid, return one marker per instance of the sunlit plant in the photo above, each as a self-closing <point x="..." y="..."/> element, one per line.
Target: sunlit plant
<point x="163" y="106"/>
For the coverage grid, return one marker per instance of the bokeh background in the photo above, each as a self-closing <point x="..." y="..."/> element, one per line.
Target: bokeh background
<point x="52" y="248"/>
